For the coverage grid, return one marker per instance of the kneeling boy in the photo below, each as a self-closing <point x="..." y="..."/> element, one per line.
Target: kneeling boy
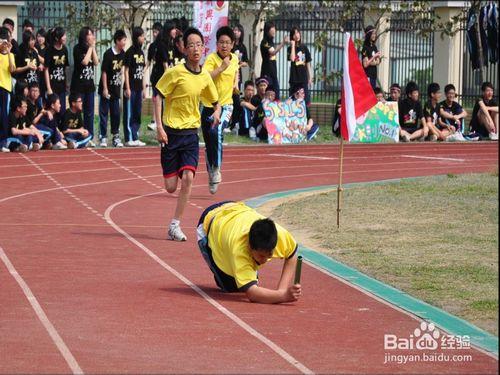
<point x="236" y="242"/>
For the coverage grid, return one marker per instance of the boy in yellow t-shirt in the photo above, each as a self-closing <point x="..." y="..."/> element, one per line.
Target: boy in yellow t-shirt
<point x="7" y="67"/>
<point x="223" y="67"/>
<point x="182" y="87"/>
<point x="236" y="242"/>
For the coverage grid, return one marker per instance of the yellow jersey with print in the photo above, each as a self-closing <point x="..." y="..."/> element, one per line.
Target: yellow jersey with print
<point x="5" y="76"/>
<point x="182" y="90"/>
<point x="228" y="239"/>
<point x="225" y="80"/>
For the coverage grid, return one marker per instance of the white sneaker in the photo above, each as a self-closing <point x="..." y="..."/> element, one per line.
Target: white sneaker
<point x="152" y="126"/>
<point x="227" y="130"/>
<point x="59" y="146"/>
<point x="104" y="142"/>
<point x="5" y="149"/>
<point x="175" y="233"/>
<point x="131" y="144"/>
<point x="455" y="137"/>
<point x="117" y="142"/>
<point x="214" y="179"/>
<point x="140" y="143"/>
<point x="493" y="136"/>
<point x="90" y="144"/>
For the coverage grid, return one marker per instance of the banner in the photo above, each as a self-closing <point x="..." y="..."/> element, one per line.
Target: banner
<point x="285" y="121"/>
<point x="379" y="124"/>
<point x="208" y="17"/>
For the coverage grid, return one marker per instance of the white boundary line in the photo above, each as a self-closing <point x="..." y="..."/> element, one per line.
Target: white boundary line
<point x="49" y="327"/>
<point x="433" y="158"/>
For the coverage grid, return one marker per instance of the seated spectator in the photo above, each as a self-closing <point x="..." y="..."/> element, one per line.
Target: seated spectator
<point x="336" y="118"/>
<point x="379" y="93"/>
<point x="258" y="130"/>
<point x="23" y="135"/>
<point x="312" y="128"/>
<point x="53" y="138"/>
<point x="394" y="93"/>
<point x="451" y="120"/>
<point x="247" y="109"/>
<point x="411" y="116"/>
<point x="258" y="117"/>
<point x="72" y="125"/>
<point x="484" y="122"/>
<point x="35" y="110"/>
<point x="431" y="112"/>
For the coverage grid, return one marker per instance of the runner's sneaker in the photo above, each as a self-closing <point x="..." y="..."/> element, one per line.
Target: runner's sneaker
<point x="140" y="143"/>
<point x="227" y="130"/>
<point x="59" y="146"/>
<point x="312" y="132"/>
<point x="104" y="142"/>
<point x="90" y="144"/>
<point x="214" y="179"/>
<point x="131" y="144"/>
<point x="175" y="233"/>
<point x="152" y="126"/>
<point x="117" y="142"/>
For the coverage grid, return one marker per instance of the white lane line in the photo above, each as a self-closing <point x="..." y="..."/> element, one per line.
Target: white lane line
<point x="432" y="158"/>
<point x="277" y="349"/>
<point x="49" y="327"/>
<point x="298" y="156"/>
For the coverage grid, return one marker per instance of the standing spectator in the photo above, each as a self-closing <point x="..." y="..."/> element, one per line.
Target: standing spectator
<point x="27" y="60"/>
<point x="72" y="125"/>
<point x="300" y="64"/>
<point x="28" y="26"/>
<point x="110" y="89"/>
<point x="41" y="49"/>
<point x="7" y="68"/>
<point x="411" y="116"/>
<point x="239" y="50"/>
<point x="371" y="55"/>
<point x="269" y="52"/>
<point x="153" y="78"/>
<point x="9" y="25"/>
<point x="484" y="122"/>
<point x="56" y="64"/>
<point x="134" y="89"/>
<point x="247" y="109"/>
<point x="82" y="81"/>
<point x="336" y="118"/>
<point x="394" y="93"/>
<point x="452" y="115"/>
<point x="431" y="112"/>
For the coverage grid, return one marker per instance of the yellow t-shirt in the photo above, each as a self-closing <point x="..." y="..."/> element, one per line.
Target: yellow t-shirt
<point x="182" y="90"/>
<point x="228" y="240"/>
<point x="5" y="76"/>
<point x="224" y="81"/>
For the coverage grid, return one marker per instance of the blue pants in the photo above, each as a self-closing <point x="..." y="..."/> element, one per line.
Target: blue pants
<point x="4" y="116"/>
<point x="111" y="106"/>
<point x="49" y="134"/>
<point x="18" y="140"/>
<point x="88" y="112"/>
<point x="245" y="121"/>
<point x="132" y="108"/>
<point x="79" y="140"/>
<point x="214" y="136"/>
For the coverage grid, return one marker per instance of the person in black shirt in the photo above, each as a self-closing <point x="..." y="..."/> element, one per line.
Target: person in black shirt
<point x="24" y="136"/>
<point x="411" y="116"/>
<point x="311" y="129"/>
<point x="300" y="64"/>
<point x="484" y="122"/>
<point x="336" y="118"/>
<point x="72" y="126"/>
<point x="35" y="110"/>
<point x="9" y="24"/>
<point x="240" y="50"/>
<point x="431" y="112"/>
<point x="110" y="88"/>
<point x="268" y="53"/>
<point x="27" y="60"/>
<point x="394" y="93"/>
<point x="247" y="109"/>
<point x="371" y="55"/>
<point x="82" y="80"/>
<point x="41" y="49"/>
<point x="134" y="89"/>
<point x="56" y="64"/>
<point x="451" y="116"/>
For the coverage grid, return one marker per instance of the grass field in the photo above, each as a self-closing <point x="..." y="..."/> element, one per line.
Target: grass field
<point x="435" y="238"/>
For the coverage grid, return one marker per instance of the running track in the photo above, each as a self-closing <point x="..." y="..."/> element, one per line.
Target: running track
<point x="89" y="284"/>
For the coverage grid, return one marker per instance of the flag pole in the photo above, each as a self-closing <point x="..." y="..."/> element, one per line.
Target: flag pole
<point x="339" y="186"/>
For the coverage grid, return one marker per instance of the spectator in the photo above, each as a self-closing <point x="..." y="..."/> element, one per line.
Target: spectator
<point x="153" y="78"/>
<point x="82" y="81"/>
<point x="56" y="64"/>
<point x="48" y="125"/>
<point x="134" y="89"/>
<point x="452" y="115"/>
<point x="431" y="112"/>
<point x="24" y="136"/>
<point x="247" y="109"/>
<point x="28" y="26"/>
<point x="484" y="123"/>
<point x="268" y="53"/>
<point x="379" y="94"/>
<point x="27" y="60"/>
<point x="336" y="118"/>
<point x="7" y="68"/>
<point x="21" y="90"/>
<point x="258" y="117"/>
<point x="72" y="125"/>
<point x="394" y="93"/>
<point x="35" y="110"/>
<point x="371" y="55"/>
<point x="9" y="25"/>
<point x="411" y="116"/>
<point x="312" y="128"/>
<point x="239" y="50"/>
<point x="41" y="49"/>
<point x="300" y="64"/>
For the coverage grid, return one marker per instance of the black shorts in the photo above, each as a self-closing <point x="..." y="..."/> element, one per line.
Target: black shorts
<point x="179" y="154"/>
<point x="409" y="130"/>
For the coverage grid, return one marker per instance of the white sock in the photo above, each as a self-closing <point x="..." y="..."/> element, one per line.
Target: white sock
<point x="175" y="223"/>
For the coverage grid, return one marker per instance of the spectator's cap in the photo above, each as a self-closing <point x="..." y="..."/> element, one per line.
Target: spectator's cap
<point x="262" y="80"/>
<point x="369" y="29"/>
<point x="395" y="86"/>
<point x="410" y="87"/>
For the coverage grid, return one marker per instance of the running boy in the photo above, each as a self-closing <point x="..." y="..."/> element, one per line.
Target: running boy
<point x="223" y="67"/>
<point x="72" y="125"/>
<point x="236" y="242"/>
<point x="110" y="89"/>
<point x="177" y="127"/>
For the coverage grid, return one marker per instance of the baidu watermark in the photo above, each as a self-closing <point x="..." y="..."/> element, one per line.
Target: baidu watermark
<point x="428" y="338"/>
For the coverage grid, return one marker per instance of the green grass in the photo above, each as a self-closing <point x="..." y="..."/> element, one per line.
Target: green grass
<point x="435" y="238"/>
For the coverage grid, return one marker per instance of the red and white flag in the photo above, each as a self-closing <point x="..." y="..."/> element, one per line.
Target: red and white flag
<point x="357" y="93"/>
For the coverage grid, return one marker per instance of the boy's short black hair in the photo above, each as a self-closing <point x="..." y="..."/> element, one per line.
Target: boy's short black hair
<point x="119" y="34"/>
<point x="487" y="85"/>
<point x="51" y="99"/>
<point x="263" y="235"/>
<point x="225" y="30"/>
<point x="395" y="86"/>
<point x="18" y="102"/>
<point x="73" y="97"/>
<point x="249" y="83"/>
<point x="377" y="90"/>
<point x="28" y="23"/>
<point x="33" y="85"/>
<point x="449" y="87"/>
<point x="410" y="87"/>
<point x="297" y="87"/>
<point x="157" y="26"/>
<point x="433" y="88"/>
<point x="8" y="21"/>
<point x="4" y="33"/>
<point x="189" y="31"/>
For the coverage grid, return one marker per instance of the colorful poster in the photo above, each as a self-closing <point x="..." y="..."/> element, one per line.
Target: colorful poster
<point x="285" y="121"/>
<point x="208" y="17"/>
<point x="379" y="125"/>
